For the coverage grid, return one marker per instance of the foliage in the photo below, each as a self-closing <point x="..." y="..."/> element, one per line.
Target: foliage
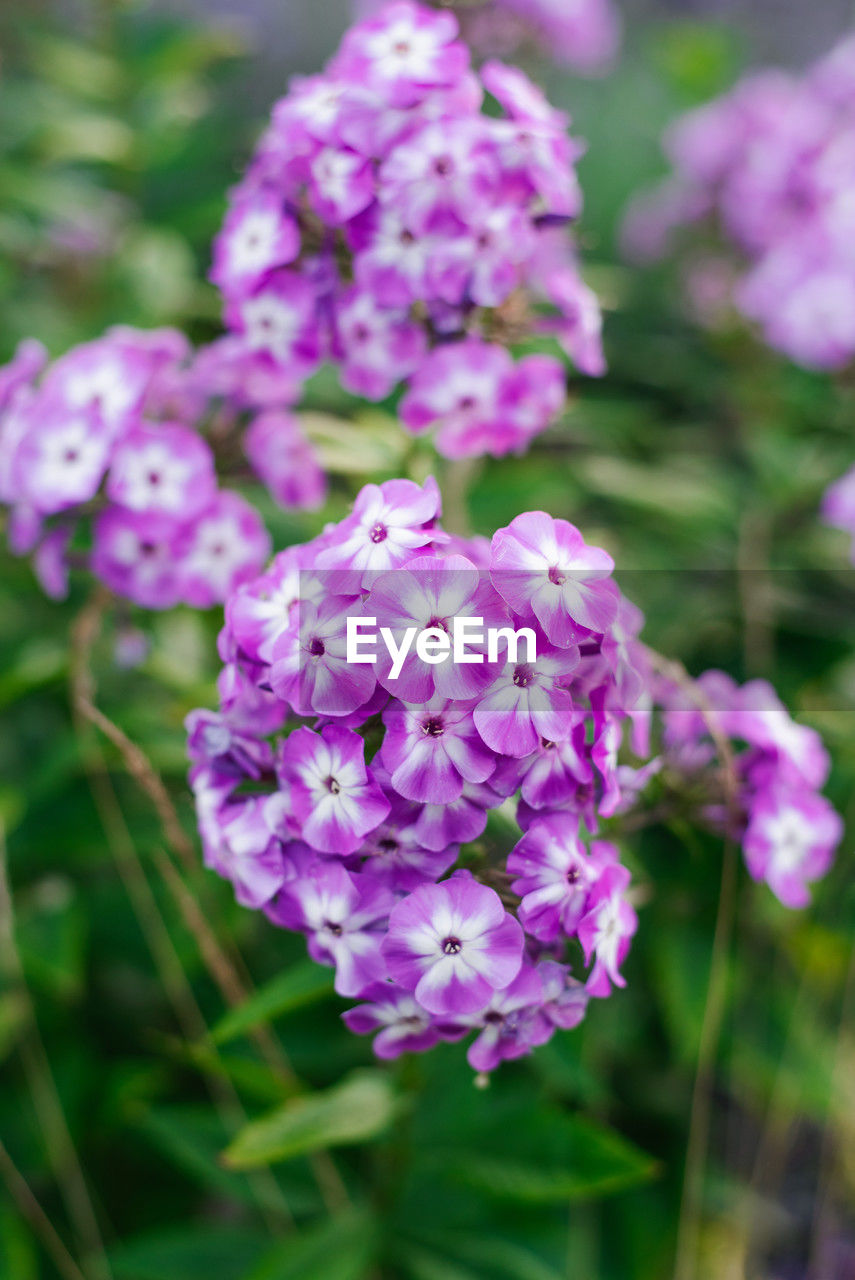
<point x="701" y="459"/>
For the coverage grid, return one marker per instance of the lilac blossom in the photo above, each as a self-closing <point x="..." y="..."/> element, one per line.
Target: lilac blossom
<point x="423" y="227"/>
<point x="769" y="165"/>
<point x="544" y="567"/>
<point x="581" y="34"/>
<point x="790" y="841"/>
<point x="343" y="916"/>
<point x="335" y="799"/>
<point x="432" y="750"/>
<point x="441" y="838"/>
<point x="454" y="945"/>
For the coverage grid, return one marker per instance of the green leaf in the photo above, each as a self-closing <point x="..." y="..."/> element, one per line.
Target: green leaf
<point x="342" y="1249"/>
<point x="297" y="986"/>
<point x="199" y="1252"/>
<point x="192" y="1138"/>
<point x="594" y="1161"/>
<point x="356" y="1110"/>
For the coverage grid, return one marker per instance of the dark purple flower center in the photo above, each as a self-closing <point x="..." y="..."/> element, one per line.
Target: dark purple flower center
<point x="333" y="928"/>
<point x="333" y="786"/>
<point x="70" y="455"/>
<point x="148" y="549"/>
<point x="523" y="676"/>
<point x="379" y="533"/>
<point x="466" y="402"/>
<point x="439" y="623"/>
<point x="387" y="845"/>
<point x="494" y="1018"/>
<point x="317" y="648"/>
<point x="443" y="166"/>
<point x="434" y="728"/>
<point x="573" y="875"/>
<point x="154" y="478"/>
<point x="407" y="237"/>
<point x="547" y="745"/>
<point x="557" y="577"/>
<point x="452" y="946"/>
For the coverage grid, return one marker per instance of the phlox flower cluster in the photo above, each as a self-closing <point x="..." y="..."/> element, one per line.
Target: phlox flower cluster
<point x="582" y="34"/>
<point x="789" y="832"/>
<point x="436" y="834"/>
<point x="103" y="464"/>
<point x="771" y="164"/>
<point x="389" y="225"/>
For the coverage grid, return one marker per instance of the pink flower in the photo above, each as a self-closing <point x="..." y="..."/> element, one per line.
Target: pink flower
<point x="432" y="750"/>
<point x="388" y="523"/>
<point x="607" y="927"/>
<point x="453" y="944"/>
<point x="544" y="567"/>
<point x="402" y="53"/>
<point x="285" y="461"/>
<point x="257" y="236"/>
<point x="165" y="469"/>
<point x="343" y="916"/>
<point x="791" y="839"/>
<point x="335" y="798"/>
<point x="527" y="703"/>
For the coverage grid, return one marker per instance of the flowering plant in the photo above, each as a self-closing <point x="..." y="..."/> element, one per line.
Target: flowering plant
<point x="346" y="828"/>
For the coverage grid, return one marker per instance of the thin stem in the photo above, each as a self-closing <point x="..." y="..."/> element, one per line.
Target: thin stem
<point x="30" y="1209"/>
<point x="175" y="983"/>
<point x="222" y="969"/>
<point x="840" y="1070"/>
<point x="688" y="1227"/>
<point x="46" y="1101"/>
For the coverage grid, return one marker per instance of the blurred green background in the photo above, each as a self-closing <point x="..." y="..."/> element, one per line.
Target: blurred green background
<point x="144" y="1017"/>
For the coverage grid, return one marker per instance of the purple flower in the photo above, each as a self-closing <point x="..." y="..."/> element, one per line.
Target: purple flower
<point x="454" y="945"/>
<point x="564" y="1001"/>
<point x="166" y="470"/>
<point x="395" y="854"/>
<point x="554" y="877"/>
<point x="257" y="236"/>
<point x="379" y="346"/>
<point x="61" y="459"/>
<point x="139" y="556"/>
<point x="402" y="1025"/>
<point x="343" y="917"/>
<point x="432" y="750"/>
<point x="402" y="53"/>
<point x="544" y="567"/>
<point x="279" y="320"/>
<point x="258" y="612"/>
<point x="791" y="839"/>
<point x="465" y="390"/>
<point x="608" y="925"/>
<point x="250" y="855"/>
<point x="511" y="1024"/>
<point x="389" y="521"/>
<point x="527" y="702"/>
<point x="551" y="777"/>
<point x="335" y="798"/>
<point x="430" y="593"/>
<point x="838" y="506"/>
<point x="309" y="668"/>
<point x="226" y="545"/>
<point x="285" y="461"/>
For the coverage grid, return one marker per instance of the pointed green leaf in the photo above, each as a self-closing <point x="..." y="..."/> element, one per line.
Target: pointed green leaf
<point x="296" y="987"/>
<point x="356" y="1110"/>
